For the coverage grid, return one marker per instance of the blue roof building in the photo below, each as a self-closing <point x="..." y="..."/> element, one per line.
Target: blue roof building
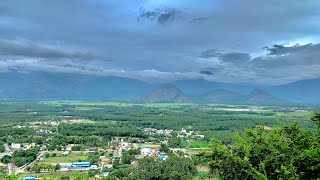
<point x="29" y="178"/>
<point x="81" y="164"/>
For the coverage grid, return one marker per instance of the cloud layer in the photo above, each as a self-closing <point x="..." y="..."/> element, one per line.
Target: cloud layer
<point x="159" y="40"/>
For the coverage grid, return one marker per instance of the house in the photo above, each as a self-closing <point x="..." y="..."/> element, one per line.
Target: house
<point x="43" y="148"/>
<point x="26" y="146"/>
<point x="105" y="174"/>
<point x="126" y="145"/>
<point x="199" y="136"/>
<point x="65" y="153"/>
<point x="108" y="165"/>
<point x="69" y="146"/>
<point x="15" y="146"/>
<point x="183" y="131"/>
<point x="138" y="156"/>
<point x="145" y="151"/>
<point x="163" y="157"/>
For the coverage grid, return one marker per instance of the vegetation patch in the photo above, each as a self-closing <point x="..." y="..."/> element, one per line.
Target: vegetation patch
<point x="72" y="157"/>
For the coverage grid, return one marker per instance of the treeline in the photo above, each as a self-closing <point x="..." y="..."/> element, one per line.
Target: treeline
<point x="100" y="129"/>
<point x="58" y="142"/>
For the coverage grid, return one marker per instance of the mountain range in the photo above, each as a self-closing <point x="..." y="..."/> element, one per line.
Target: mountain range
<point x="170" y="93"/>
<point x="58" y="86"/>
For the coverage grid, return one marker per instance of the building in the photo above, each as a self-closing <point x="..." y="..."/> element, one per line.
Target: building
<point x="163" y="157"/>
<point x="81" y="164"/>
<point x="65" y="165"/>
<point x="29" y="178"/>
<point x="65" y="153"/>
<point x="15" y="146"/>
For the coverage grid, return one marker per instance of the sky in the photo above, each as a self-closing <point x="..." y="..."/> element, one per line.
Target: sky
<point x="267" y="42"/>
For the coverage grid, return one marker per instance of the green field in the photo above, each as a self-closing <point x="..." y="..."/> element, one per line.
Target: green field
<point x="199" y="144"/>
<point x="72" y="157"/>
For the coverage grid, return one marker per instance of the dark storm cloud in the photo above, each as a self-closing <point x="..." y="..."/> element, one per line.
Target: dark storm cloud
<point x="282" y="49"/>
<point x="211" y="53"/>
<point x="208" y="73"/>
<point x="281" y="63"/>
<point x="31" y="49"/>
<point x="229" y="57"/>
<point x="235" y="57"/>
<point x="281" y="55"/>
<point x="163" y="16"/>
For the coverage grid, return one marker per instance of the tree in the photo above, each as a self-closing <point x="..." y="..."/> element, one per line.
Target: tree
<point x="76" y="148"/>
<point x="6" y="159"/>
<point x="2" y="147"/>
<point x="175" y="142"/>
<point x="164" y="148"/>
<point x="65" y="177"/>
<point x="126" y="158"/>
<point x="134" y="151"/>
<point x="116" y="162"/>
<point x="93" y="157"/>
<point x="57" y="167"/>
<point x="285" y="152"/>
<point x="175" y="167"/>
<point x="316" y="119"/>
<point x="149" y="168"/>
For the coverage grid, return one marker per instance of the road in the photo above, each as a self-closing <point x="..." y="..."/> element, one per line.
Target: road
<point x="12" y="168"/>
<point x="22" y="169"/>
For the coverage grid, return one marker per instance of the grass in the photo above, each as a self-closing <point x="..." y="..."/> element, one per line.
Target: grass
<point x="202" y="171"/>
<point x="199" y="144"/>
<point x="72" y="157"/>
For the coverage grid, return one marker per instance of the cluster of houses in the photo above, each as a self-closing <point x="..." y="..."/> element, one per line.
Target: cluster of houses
<point x="44" y="131"/>
<point x="189" y="134"/>
<point x="146" y="150"/>
<point x="23" y="146"/>
<point x="160" y="132"/>
<point x="183" y="133"/>
<point x="50" y="123"/>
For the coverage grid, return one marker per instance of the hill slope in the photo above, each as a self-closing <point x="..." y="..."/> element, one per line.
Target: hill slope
<point x="50" y="86"/>
<point x="166" y="93"/>
<point x="261" y="97"/>
<point x="222" y="96"/>
<point x="305" y="91"/>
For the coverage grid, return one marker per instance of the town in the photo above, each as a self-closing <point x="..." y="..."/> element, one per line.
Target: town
<point x="31" y="158"/>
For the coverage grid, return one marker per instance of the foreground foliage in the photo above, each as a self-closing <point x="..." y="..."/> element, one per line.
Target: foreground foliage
<point x="285" y="152"/>
<point x="175" y="167"/>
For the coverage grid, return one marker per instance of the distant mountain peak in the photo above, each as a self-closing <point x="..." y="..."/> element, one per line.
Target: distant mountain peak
<point x="166" y="93"/>
<point x="259" y="96"/>
<point x="258" y="91"/>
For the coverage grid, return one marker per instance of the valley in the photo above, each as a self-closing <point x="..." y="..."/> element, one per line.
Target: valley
<point x="102" y="133"/>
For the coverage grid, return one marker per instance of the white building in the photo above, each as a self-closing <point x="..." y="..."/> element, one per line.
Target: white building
<point x="15" y="146"/>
